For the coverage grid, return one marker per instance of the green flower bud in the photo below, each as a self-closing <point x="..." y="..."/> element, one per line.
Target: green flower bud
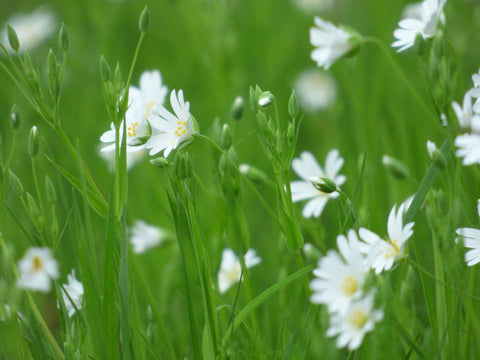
<point x="226" y="137"/>
<point x="160" y="162"/>
<point x="50" y="192"/>
<point x="253" y="174"/>
<point x="236" y="111"/>
<point x="31" y="74"/>
<point x="265" y="99"/>
<point x="15" y="117"/>
<point x="63" y="38"/>
<point x="15" y="182"/>
<point x="436" y="155"/>
<point x="118" y="79"/>
<point x="33" y="142"/>
<point x="396" y="167"/>
<point x="53" y="75"/>
<point x="13" y="38"/>
<point x="291" y="134"/>
<point x="104" y="69"/>
<point x="324" y="184"/>
<point x="32" y="206"/>
<point x="293" y="105"/>
<point x="312" y="254"/>
<point x="144" y="20"/>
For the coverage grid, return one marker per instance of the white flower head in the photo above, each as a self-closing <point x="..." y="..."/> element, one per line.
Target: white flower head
<point x="471" y="239"/>
<point x="424" y="24"/>
<point x="339" y="280"/>
<point x="352" y="325"/>
<point x="231" y="269"/>
<point x="32" y="29"/>
<point x="466" y="116"/>
<point x="307" y="167"/>
<point x="468" y="148"/>
<point x="316" y="90"/>
<point x="37" y="267"/>
<point x="331" y="43"/>
<point x="382" y="254"/>
<point x="144" y="236"/>
<point x="74" y="288"/>
<point x="171" y="131"/>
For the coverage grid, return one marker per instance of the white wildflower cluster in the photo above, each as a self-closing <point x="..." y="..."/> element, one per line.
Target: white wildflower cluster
<point x="149" y="124"/>
<point x="468" y="115"/>
<point x="340" y="278"/>
<point x="421" y="21"/>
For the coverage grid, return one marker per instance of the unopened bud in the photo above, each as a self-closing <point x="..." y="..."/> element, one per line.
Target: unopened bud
<point x="396" y="167"/>
<point x="160" y="162"/>
<point x="236" y="111"/>
<point x="144" y="20"/>
<point x="265" y="99"/>
<point x="253" y="174"/>
<point x="15" y="117"/>
<point x="291" y="134"/>
<point x="13" y="38"/>
<point x="63" y="38"/>
<point x="293" y="105"/>
<point x="311" y="253"/>
<point x="226" y="137"/>
<point x="50" y="192"/>
<point x="324" y="184"/>
<point x="33" y="142"/>
<point x="117" y="78"/>
<point x="436" y="155"/>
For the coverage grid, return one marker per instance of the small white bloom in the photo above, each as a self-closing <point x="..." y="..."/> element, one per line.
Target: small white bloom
<point x="37" y="267"/>
<point x="231" y="269"/>
<point x="468" y="148"/>
<point x="354" y="323"/>
<point x="171" y="131"/>
<point x="466" y="117"/>
<point x="31" y="29"/>
<point x="314" y="6"/>
<point x="331" y="43"/>
<point x="74" y="289"/>
<point x="340" y="281"/>
<point x="431" y="148"/>
<point x="471" y="240"/>
<point x="424" y="24"/>
<point x="382" y="254"/>
<point x="316" y="90"/>
<point x="307" y="167"/>
<point x="144" y="236"/>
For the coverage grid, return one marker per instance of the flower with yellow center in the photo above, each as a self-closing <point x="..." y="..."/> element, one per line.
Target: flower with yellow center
<point x="382" y="254"/>
<point x="171" y="131"/>
<point x="352" y="325"/>
<point x="36" y="268"/>
<point x="339" y="279"/>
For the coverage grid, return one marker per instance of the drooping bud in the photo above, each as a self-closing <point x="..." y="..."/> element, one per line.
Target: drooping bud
<point x="396" y="167"/>
<point x="63" y="38"/>
<point x="226" y="137"/>
<point x="33" y="142"/>
<point x="144" y="20"/>
<point x="236" y="111"/>
<point x="323" y="184"/>
<point x="13" y="38"/>
<point x="15" y="117"/>
<point x="293" y="104"/>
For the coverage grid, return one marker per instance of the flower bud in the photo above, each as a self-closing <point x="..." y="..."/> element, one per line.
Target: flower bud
<point x="323" y="184"/>
<point x="15" y="117"/>
<point x="291" y="134"/>
<point x="160" y="162"/>
<point x="63" y="38"/>
<point x="104" y="69"/>
<point x="144" y="20"/>
<point x="436" y="155"/>
<point x="50" y="192"/>
<point x="15" y="182"/>
<point x="226" y="137"/>
<point x="396" y="167"/>
<point x="33" y="142"/>
<point x="265" y="99"/>
<point x="236" y="111"/>
<point x="253" y="174"/>
<point x="13" y="38"/>
<point x="117" y="78"/>
<point x="293" y="104"/>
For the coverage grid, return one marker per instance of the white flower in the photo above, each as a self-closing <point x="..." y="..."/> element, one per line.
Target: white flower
<point x="340" y="281"/>
<point x="466" y="117"/>
<point x="316" y="90"/>
<point x="74" y="289"/>
<point x="468" y="148"/>
<point x="331" y="43"/>
<point x="31" y="29"/>
<point x="382" y="254"/>
<point x="307" y="168"/>
<point x="135" y="154"/>
<point x="231" y="269"/>
<point x="37" y="267"/>
<point x="431" y="148"/>
<point x="144" y="236"/>
<point x="425" y="24"/>
<point x="171" y="131"/>
<point x="471" y="240"/>
<point x="314" y="6"/>
<point x="354" y="323"/>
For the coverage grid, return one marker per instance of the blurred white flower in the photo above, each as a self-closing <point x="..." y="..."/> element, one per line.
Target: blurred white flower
<point x="31" y="29"/>
<point x="171" y="131"/>
<point x="307" y="167"/>
<point x="316" y="90"/>
<point x="231" y="269"/>
<point x="331" y="43"/>
<point x="36" y="268"/>
<point x="465" y="115"/>
<point x="423" y="23"/>
<point x="135" y="154"/>
<point x="314" y="6"/>
<point x="339" y="280"/>
<point x="468" y="148"/>
<point x="431" y="148"/>
<point x="354" y="323"/>
<point x="74" y="289"/>
<point x="382" y="254"/>
<point x="144" y="236"/>
<point x="471" y="240"/>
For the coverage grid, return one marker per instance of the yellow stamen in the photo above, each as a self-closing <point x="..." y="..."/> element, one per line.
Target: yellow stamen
<point x="358" y="318"/>
<point x="132" y="129"/>
<point x="349" y="285"/>
<point x="37" y="263"/>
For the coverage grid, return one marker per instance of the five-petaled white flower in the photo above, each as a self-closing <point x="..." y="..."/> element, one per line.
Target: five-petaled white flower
<point x="74" y="288"/>
<point x="31" y="29"/>
<point x="316" y="90"/>
<point x="468" y="148"/>
<point x="340" y="281"/>
<point x="144" y="236"/>
<point x="471" y="240"/>
<point x="171" y="131"/>
<point x="231" y="270"/>
<point x="465" y="115"/>
<point x="331" y="43"/>
<point x="308" y="169"/>
<point x="36" y="268"/>
<point x="425" y="25"/>
<point x="354" y="323"/>
<point x="382" y="254"/>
